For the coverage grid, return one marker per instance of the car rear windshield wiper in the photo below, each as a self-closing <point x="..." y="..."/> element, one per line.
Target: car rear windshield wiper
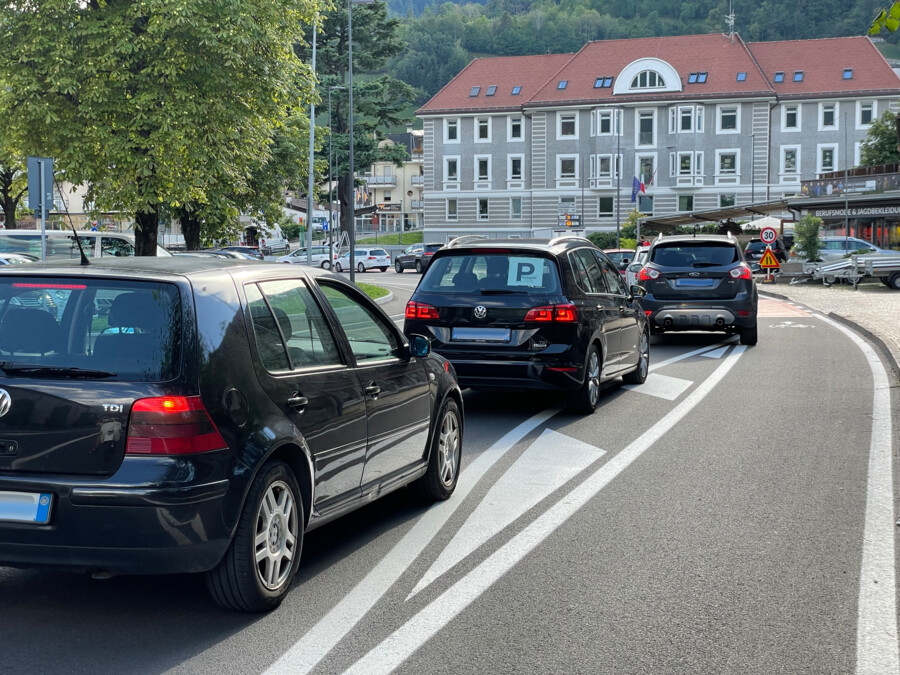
<point x="54" y="371"/>
<point x="501" y="291"/>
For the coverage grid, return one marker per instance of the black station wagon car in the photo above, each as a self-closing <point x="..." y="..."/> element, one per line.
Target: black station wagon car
<point x="700" y="283"/>
<point x="527" y="314"/>
<point x="199" y="415"/>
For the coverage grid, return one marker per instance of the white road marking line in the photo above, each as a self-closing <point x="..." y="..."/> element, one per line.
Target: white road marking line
<point x="681" y="357"/>
<point x="401" y="644"/>
<point x="715" y="353"/>
<point x="306" y="653"/>
<point x="662" y="386"/>
<point x="541" y="470"/>
<point x="876" y="632"/>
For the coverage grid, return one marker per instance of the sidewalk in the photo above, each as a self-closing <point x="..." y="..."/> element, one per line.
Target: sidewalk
<point x="873" y="309"/>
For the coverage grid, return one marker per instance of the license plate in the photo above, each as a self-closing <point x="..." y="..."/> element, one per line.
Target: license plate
<point x="480" y="335"/>
<point x="694" y="283"/>
<point x="25" y="507"/>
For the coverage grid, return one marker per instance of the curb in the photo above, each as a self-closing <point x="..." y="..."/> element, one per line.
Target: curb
<point x="893" y="359"/>
<point x="385" y="298"/>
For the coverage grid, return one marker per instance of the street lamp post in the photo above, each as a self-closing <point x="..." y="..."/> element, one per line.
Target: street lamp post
<point x="752" y="167"/>
<point x="617" y="164"/>
<point x="330" y="179"/>
<point x="312" y="144"/>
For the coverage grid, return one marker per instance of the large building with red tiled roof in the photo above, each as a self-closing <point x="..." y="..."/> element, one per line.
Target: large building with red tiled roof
<point x="701" y="121"/>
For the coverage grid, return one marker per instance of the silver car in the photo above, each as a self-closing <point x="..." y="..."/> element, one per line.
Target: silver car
<point x="634" y="267"/>
<point x="321" y="257"/>
<point x="837" y="247"/>
<point x="365" y="259"/>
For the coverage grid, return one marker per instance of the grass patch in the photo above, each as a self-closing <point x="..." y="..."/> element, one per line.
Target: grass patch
<point x="372" y="290"/>
<point x="404" y="239"/>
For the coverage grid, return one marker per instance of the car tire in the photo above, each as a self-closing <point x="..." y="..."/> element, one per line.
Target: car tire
<point x="360" y="268"/>
<point x="383" y="269"/>
<point x="828" y="280"/>
<point x="255" y="577"/>
<point x="894" y="281"/>
<point x="639" y="374"/>
<point x="585" y="399"/>
<point x="337" y="267"/>
<point x="440" y="479"/>
<point x="419" y="267"/>
<point x="749" y="335"/>
<point x="325" y="265"/>
<point x="398" y="268"/>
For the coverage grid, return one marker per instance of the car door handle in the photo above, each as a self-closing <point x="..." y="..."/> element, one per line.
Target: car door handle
<point x="298" y="402"/>
<point x="373" y="390"/>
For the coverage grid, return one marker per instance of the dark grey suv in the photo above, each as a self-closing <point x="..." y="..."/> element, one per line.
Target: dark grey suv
<point x="699" y="283"/>
<point x="187" y="414"/>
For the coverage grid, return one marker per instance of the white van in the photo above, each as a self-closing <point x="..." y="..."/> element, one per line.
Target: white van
<point x="61" y="244"/>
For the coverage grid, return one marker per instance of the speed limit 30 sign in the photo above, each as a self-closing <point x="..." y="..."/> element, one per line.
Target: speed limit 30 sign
<point x="768" y="235"/>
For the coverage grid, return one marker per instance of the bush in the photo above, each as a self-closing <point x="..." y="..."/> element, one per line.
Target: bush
<point x="806" y="236"/>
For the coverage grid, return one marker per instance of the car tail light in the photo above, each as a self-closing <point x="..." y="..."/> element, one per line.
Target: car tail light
<point x="428" y="253"/>
<point x="371" y="257"/>
<point x="648" y="273"/>
<point x="552" y="313"/>
<point x="741" y="272"/>
<point x="419" y="310"/>
<point x="171" y="425"/>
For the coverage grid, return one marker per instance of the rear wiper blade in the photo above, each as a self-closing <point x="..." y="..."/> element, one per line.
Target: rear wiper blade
<point x="54" y="371"/>
<point x="501" y="291"/>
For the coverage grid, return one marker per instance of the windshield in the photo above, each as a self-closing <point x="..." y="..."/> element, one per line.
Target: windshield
<point x="57" y="327"/>
<point x="491" y="273"/>
<point x="691" y="254"/>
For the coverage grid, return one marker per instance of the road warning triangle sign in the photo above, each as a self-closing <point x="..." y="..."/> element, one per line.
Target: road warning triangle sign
<point x="768" y="260"/>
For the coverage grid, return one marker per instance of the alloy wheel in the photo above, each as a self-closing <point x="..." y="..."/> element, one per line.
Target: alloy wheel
<point x="277" y="527"/>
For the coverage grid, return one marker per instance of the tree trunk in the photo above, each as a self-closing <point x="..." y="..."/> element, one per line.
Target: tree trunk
<point x="190" y="228"/>
<point x="9" y="214"/>
<point x="146" y="228"/>
<point x="10" y="201"/>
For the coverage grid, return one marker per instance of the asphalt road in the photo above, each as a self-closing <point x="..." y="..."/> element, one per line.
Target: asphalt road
<point x="734" y="514"/>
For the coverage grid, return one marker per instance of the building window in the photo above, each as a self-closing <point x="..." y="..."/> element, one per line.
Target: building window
<point x="828" y="118"/>
<point x="798" y="76"/>
<point x="605" y="206"/>
<point x="451" y="168"/>
<point x="567" y="127"/>
<point x="451" y="131"/>
<point x="566" y="167"/>
<point x="602" y="123"/>
<point x="452" y="206"/>
<point x="727" y="200"/>
<point x="474" y="91"/>
<point x="516" y="90"/>
<point x="779" y="76"/>
<point x="790" y="118"/>
<point x="482" y="209"/>
<point x="482" y="129"/>
<point x="686" y="203"/>
<point x="515" y="208"/>
<point x="865" y="114"/>
<point x="686" y="164"/>
<point x="728" y="162"/>
<point x="686" y="119"/>
<point x="790" y="159"/>
<point x="647" y="168"/>
<point x="827" y="158"/>
<point x="514" y="167"/>
<point x="491" y="90"/>
<point x="515" y="129"/>
<point x="562" y="84"/>
<point x="603" y="82"/>
<point x="482" y="167"/>
<point x="848" y="74"/>
<point x="742" y="77"/>
<point x="648" y="79"/>
<point x="645" y="205"/>
<point x="729" y="119"/>
<point x="646" y="127"/>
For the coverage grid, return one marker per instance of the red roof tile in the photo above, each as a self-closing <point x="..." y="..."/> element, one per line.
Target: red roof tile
<point x="823" y="62"/>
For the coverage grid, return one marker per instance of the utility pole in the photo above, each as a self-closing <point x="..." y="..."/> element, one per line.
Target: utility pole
<point x="312" y="146"/>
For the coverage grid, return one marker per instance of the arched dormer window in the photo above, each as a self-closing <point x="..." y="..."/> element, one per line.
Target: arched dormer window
<point x="648" y="79"/>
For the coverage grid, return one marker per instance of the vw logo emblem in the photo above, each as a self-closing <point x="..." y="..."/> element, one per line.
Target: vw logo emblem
<point x="5" y="402"/>
<point x="480" y="312"/>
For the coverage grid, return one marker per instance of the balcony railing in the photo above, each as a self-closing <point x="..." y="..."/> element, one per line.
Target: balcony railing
<point x="381" y="180"/>
<point x="416" y="204"/>
<point x="417" y="180"/>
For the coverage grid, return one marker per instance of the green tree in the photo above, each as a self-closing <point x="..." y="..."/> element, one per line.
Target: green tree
<point x="880" y="146"/>
<point x="13" y="184"/>
<point x="806" y="236"/>
<point x="155" y="103"/>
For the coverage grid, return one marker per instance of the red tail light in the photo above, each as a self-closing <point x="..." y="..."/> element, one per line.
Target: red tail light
<point x="419" y="310"/>
<point x="648" y="273"/>
<point x="171" y="425"/>
<point x="741" y="272"/>
<point x="371" y="257"/>
<point x="428" y="253"/>
<point x="554" y="313"/>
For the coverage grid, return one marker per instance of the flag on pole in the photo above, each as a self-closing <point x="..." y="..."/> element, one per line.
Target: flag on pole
<point x="635" y="187"/>
<point x="643" y="187"/>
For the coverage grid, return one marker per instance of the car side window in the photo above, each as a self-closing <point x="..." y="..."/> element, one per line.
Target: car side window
<point x="581" y="266"/>
<point x="290" y="329"/>
<point x="369" y="337"/>
<point x="115" y="246"/>
<point x="612" y="276"/>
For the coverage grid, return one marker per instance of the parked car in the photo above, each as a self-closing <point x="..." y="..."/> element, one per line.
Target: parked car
<point x="17" y="258"/>
<point x="365" y="259"/>
<point x="200" y="415"/>
<point x="756" y="249"/>
<point x="322" y="256"/>
<point x="251" y="251"/>
<point x="524" y="314"/>
<point x="837" y="247"/>
<point x="61" y="244"/>
<point x="634" y="267"/>
<point x="620" y="257"/>
<point x="216" y="253"/>
<point x="415" y="257"/>
<point x="700" y="282"/>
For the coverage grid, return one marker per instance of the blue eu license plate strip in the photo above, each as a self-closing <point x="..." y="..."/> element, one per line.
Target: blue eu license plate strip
<point x="480" y="335"/>
<point x="25" y="507"/>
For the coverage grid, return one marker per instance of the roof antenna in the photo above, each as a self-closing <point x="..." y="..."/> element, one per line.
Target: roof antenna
<point x="729" y="21"/>
<point x="84" y="258"/>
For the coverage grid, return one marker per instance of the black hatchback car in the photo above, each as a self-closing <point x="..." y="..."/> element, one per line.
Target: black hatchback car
<point x="755" y="250"/>
<point x="522" y="314"/>
<point x="199" y="415"/>
<point x="699" y="283"/>
<point x="415" y="257"/>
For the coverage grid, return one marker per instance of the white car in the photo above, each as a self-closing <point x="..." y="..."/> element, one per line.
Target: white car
<point x="366" y="259"/>
<point x="634" y="267"/>
<point x="321" y="257"/>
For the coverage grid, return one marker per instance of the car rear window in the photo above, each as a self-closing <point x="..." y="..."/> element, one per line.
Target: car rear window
<point x="380" y="252"/>
<point x="491" y="273"/>
<point x="693" y="254"/>
<point x="114" y="330"/>
<point x="431" y="248"/>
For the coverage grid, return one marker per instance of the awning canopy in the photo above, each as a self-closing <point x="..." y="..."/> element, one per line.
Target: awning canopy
<point x="669" y="223"/>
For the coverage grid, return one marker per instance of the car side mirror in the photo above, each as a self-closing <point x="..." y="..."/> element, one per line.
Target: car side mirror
<point x="635" y="267"/>
<point x="638" y="291"/>
<point x="419" y="346"/>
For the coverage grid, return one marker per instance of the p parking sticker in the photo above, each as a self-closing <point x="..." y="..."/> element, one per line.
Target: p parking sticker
<point x="525" y="272"/>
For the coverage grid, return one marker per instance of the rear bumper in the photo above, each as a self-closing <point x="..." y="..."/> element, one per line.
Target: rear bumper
<point x="698" y="315"/>
<point x="516" y="375"/>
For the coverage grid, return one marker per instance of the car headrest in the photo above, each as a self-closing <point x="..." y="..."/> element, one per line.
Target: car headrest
<point x="28" y="330"/>
<point x="136" y="310"/>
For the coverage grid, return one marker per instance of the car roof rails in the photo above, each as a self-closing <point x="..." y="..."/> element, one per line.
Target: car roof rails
<point x="466" y="239"/>
<point x="566" y="237"/>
